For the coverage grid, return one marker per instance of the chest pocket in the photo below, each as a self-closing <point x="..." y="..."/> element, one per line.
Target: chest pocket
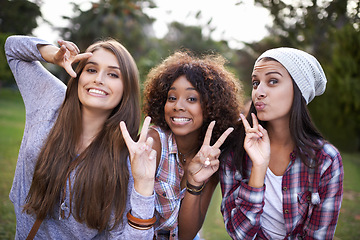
<point x="167" y="197"/>
<point x="304" y="200"/>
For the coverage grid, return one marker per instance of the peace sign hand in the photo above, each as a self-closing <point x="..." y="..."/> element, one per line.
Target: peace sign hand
<point x="206" y="161"/>
<point x="142" y="159"/>
<point x="68" y="54"/>
<point x="257" y="142"/>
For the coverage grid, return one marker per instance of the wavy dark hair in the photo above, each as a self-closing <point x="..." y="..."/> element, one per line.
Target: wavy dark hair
<point x="220" y="92"/>
<point x="101" y="179"/>
<point x="302" y="130"/>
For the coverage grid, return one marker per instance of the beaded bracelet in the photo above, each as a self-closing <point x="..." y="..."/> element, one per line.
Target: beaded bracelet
<point x="194" y="190"/>
<point x="140" y="224"/>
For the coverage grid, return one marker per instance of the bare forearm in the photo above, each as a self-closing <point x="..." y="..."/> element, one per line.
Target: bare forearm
<point x="48" y="52"/>
<point x="145" y="188"/>
<point x="193" y="210"/>
<point x="257" y="177"/>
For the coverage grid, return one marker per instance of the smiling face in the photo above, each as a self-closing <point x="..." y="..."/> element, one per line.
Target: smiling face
<point x="272" y="92"/>
<point x="183" y="110"/>
<point x="100" y="86"/>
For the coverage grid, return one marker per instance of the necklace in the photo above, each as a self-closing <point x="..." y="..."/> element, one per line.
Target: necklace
<point x="184" y="155"/>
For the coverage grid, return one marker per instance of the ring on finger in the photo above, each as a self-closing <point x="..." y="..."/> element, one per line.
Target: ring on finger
<point x="207" y="162"/>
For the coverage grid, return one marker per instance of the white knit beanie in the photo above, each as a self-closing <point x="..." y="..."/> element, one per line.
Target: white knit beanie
<point x="303" y="68"/>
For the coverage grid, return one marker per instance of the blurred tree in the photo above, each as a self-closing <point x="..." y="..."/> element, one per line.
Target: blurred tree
<point x="16" y="17"/>
<point x="181" y="36"/>
<point x="307" y="24"/>
<point x="338" y="111"/>
<point x="123" y="20"/>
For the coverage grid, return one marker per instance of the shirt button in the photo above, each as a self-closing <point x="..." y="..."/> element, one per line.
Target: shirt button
<point x="173" y="235"/>
<point x="308" y="198"/>
<point x="164" y="194"/>
<point x="286" y="211"/>
<point x="285" y="188"/>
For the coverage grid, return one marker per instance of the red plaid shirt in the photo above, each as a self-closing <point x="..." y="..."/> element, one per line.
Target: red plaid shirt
<point x="311" y="198"/>
<point x="167" y="185"/>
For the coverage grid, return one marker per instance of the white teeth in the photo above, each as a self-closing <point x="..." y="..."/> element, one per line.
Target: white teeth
<point x="181" y="119"/>
<point x="97" y="91"/>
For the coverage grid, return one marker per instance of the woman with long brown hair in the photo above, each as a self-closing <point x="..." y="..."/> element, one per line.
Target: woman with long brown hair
<point x="74" y="176"/>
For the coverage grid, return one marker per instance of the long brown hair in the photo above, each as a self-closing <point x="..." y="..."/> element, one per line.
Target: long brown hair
<point x="102" y="175"/>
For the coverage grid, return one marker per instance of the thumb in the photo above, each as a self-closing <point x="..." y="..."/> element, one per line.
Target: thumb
<point x="59" y="55"/>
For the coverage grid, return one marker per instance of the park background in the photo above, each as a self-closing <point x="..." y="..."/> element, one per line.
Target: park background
<point x="330" y="30"/>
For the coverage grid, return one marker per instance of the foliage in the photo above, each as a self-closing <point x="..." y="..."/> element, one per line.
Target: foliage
<point x="6" y="77"/>
<point x="16" y="17"/>
<point x="306" y="24"/>
<point x="127" y="22"/>
<point x="122" y="20"/>
<point x="338" y="111"/>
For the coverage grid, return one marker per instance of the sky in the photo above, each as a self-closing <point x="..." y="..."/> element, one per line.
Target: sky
<point x="245" y="22"/>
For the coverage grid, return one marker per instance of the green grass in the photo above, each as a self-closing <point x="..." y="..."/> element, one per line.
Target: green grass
<point x="12" y="117"/>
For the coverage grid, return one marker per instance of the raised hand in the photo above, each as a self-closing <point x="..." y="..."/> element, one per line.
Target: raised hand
<point x="257" y="142"/>
<point x="142" y="159"/>
<point x="68" y="54"/>
<point x="206" y="161"/>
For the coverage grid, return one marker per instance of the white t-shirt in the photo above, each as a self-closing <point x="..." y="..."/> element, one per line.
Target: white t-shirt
<point x="272" y="219"/>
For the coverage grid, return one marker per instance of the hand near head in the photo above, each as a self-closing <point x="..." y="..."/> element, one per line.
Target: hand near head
<point x="206" y="161"/>
<point x="142" y="159"/>
<point x="65" y="56"/>
<point x="68" y="54"/>
<point x="257" y="142"/>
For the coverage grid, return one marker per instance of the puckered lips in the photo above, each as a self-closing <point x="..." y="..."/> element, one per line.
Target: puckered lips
<point x="259" y="106"/>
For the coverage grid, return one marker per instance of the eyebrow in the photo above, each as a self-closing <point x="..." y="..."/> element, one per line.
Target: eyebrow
<point x="190" y="88"/>
<point x="95" y="63"/>
<point x="268" y="73"/>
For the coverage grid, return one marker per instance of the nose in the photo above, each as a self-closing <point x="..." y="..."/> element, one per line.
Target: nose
<point x="179" y="105"/>
<point x="260" y="91"/>
<point x="99" y="78"/>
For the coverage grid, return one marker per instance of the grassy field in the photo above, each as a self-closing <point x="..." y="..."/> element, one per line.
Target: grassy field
<point x="12" y="116"/>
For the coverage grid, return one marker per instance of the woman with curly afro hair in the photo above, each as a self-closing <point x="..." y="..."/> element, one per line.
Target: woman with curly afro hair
<point x="185" y="96"/>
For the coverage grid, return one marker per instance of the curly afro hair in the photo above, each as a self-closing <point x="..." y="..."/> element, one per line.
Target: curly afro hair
<point x="220" y="92"/>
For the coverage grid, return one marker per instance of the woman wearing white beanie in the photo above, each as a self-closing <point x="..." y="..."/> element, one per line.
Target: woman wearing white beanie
<point x="282" y="179"/>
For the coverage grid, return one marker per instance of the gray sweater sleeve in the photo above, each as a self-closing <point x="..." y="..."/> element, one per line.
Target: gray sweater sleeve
<point x="39" y="88"/>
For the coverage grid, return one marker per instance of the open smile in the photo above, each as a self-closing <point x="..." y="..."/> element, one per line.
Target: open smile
<point x="180" y="120"/>
<point x="97" y="91"/>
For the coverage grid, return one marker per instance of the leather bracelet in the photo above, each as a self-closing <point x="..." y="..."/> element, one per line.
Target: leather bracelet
<point x="140" y="224"/>
<point x="194" y="190"/>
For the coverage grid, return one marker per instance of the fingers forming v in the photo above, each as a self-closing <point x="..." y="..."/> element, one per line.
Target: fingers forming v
<point x="223" y="137"/>
<point x="209" y="133"/>
<point x="127" y="138"/>
<point x="144" y="129"/>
